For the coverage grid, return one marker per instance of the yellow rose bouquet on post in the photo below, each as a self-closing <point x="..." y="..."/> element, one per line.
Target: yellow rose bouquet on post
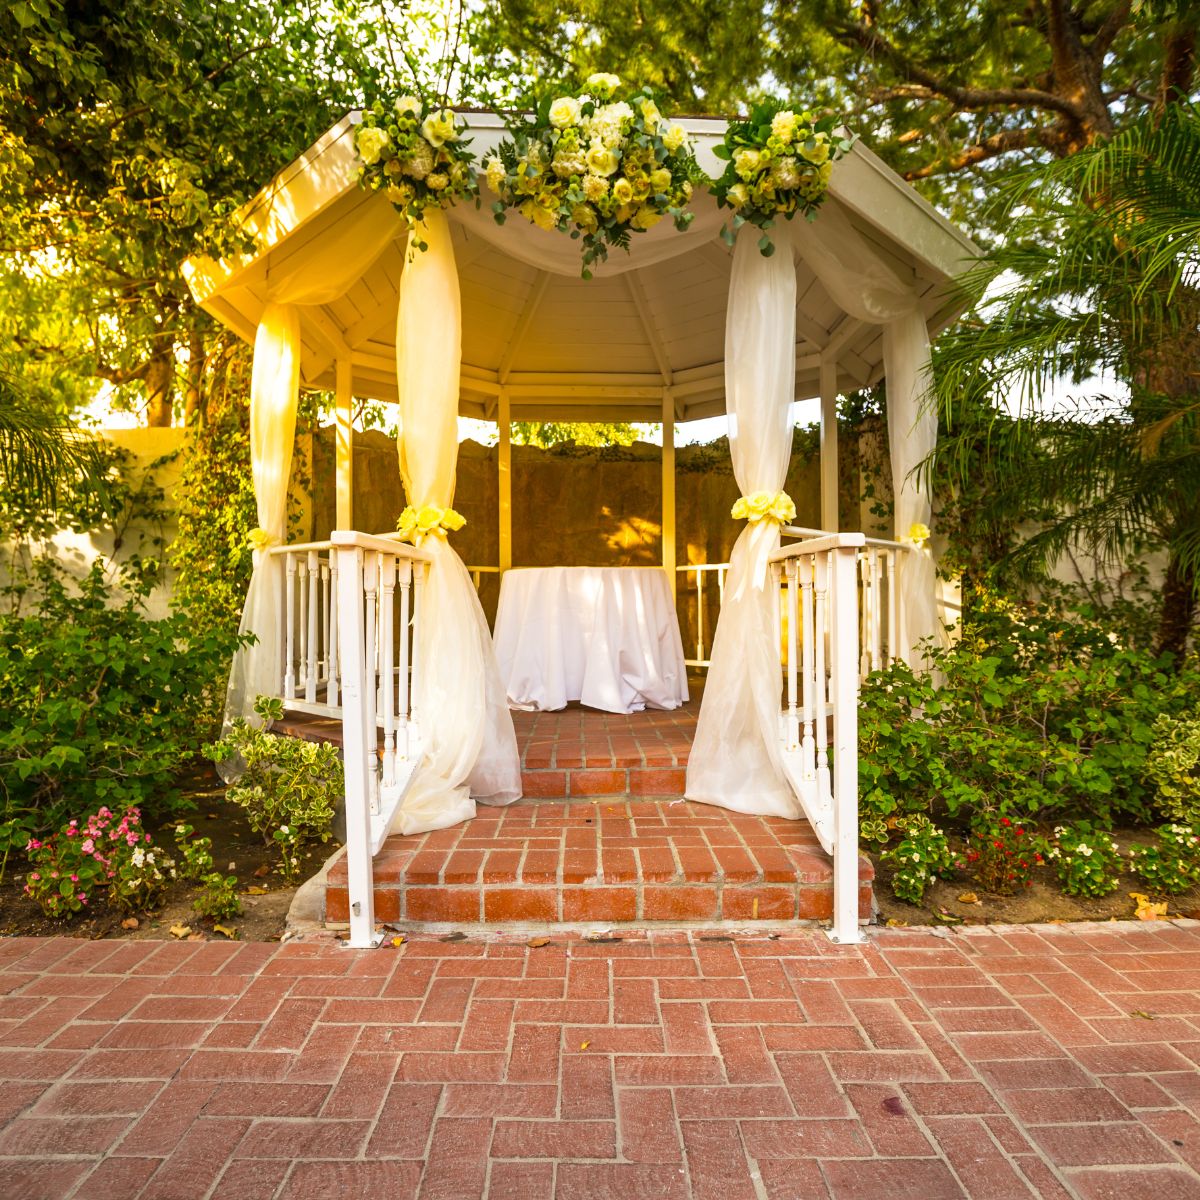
<point x="429" y="520"/>
<point x="764" y="506"/>
<point x="780" y="162"/>
<point x="414" y="153"/>
<point x="596" y="166"/>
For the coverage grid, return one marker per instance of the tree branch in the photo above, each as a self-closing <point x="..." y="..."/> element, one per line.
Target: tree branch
<point x="992" y="147"/>
<point x="874" y="42"/>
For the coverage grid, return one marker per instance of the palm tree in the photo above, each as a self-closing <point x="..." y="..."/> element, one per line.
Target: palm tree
<point x="1099" y="275"/>
<point x="43" y="455"/>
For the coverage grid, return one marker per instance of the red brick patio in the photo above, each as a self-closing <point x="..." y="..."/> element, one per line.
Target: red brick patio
<point x="1048" y="1063"/>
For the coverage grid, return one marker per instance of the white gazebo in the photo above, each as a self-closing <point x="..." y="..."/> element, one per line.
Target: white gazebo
<point x="678" y="329"/>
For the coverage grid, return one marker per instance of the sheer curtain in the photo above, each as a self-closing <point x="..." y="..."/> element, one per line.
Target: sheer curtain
<point x="734" y="760"/>
<point x="470" y="748"/>
<point x="862" y="283"/>
<point x="321" y="274"/>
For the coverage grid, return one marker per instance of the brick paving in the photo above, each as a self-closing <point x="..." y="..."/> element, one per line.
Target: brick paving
<point x="610" y="862"/>
<point x="1055" y="1061"/>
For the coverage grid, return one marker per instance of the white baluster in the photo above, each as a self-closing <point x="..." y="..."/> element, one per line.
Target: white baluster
<point x="327" y="626"/>
<point x="821" y="598"/>
<point x="876" y="613"/>
<point x="406" y="574"/>
<point x="370" y="577"/>
<point x="387" y="686"/>
<point x="279" y="580"/>
<point x="333" y="691"/>
<point x="808" y="755"/>
<point x="700" y="614"/>
<point x="791" y="619"/>
<point x="289" y="653"/>
<point x="302" y="624"/>
<point x="311" y="634"/>
<point x="890" y="562"/>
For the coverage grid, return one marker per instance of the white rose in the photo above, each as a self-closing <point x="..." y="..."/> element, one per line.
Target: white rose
<point x="438" y="128"/>
<point x="564" y="111"/>
<point x="737" y="195"/>
<point x="601" y="81"/>
<point x="746" y="162"/>
<point x="408" y="106"/>
<point x="675" y="137"/>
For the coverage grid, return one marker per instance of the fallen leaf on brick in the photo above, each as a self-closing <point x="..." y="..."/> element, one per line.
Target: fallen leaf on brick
<point x="537" y="942"/>
<point x="130" y="923"/>
<point x="895" y="924"/>
<point x="584" y="1045"/>
<point x="180" y="931"/>
<point x="399" y="940"/>
<point x="969" y="898"/>
<point x="255" y="890"/>
<point x="947" y="918"/>
<point x="456" y="936"/>
<point x="1147" y="909"/>
<point x="1145" y="1016"/>
<point x="260" y="872"/>
<point x="226" y="931"/>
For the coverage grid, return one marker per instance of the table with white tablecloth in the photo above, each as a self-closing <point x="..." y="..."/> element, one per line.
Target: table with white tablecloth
<point x="605" y="636"/>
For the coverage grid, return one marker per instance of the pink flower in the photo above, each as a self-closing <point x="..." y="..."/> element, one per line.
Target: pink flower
<point x="88" y="846"/>
<point x="35" y="875"/>
<point x="83" y="897"/>
<point x="74" y="878"/>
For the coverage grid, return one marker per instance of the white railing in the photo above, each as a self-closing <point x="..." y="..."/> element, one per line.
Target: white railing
<point x="348" y="614"/>
<point x="702" y="571"/>
<point x="380" y="584"/>
<point x="882" y="633"/>
<point x="820" y="621"/>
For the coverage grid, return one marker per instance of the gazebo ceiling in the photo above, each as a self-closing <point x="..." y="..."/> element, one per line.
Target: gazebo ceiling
<point x="561" y="347"/>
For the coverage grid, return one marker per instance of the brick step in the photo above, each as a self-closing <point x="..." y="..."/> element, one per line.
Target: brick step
<point x="621" y="862"/>
<point x="591" y="782"/>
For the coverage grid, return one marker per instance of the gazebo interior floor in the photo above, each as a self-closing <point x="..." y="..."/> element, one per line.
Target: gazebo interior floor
<point x="603" y="837"/>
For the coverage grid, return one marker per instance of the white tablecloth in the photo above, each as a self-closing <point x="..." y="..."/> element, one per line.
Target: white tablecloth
<point x="605" y="636"/>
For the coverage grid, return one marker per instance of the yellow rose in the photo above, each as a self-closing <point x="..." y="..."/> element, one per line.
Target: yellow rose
<point x="453" y="520"/>
<point x="438" y="128"/>
<point x="495" y="174"/>
<point x="407" y="525"/>
<point x="646" y="218"/>
<point x="783" y="509"/>
<point x="259" y="539"/>
<point x="429" y="517"/>
<point x="746" y="162"/>
<point x="740" y="510"/>
<point x="737" y="195"/>
<point x="408" y="106"/>
<point x="563" y="112"/>
<point x="601" y="160"/>
<point x="660" y="180"/>
<point x="918" y="534"/>
<point x="650" y="115"/>
<point x="371" y="142"/>
<point x="603" y="82"/>
<point x="539" y="214"/>
<point x="816" y="149"/>
<point x="584" y="215"/>
<point x="759" y="504"/>
<point x="622" y="191"/>
<point x="674" y="137"/>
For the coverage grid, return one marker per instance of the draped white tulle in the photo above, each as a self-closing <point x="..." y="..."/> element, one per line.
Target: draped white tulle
<point x="470" y="748"/>
<point x="863" y="284"/>
<point x="322" y="274"/>
<point x="735" y="759"/>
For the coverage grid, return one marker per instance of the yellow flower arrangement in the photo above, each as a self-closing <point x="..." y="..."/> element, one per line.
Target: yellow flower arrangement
<point x="779" y="163"/>
<point x="415" y="154"/>
<point x="259" y="539"/>
<point x="764" y="506"/>
<point x="429" y="520"/>
<point x="594" y="165"/>
<point x="918" y="534"/>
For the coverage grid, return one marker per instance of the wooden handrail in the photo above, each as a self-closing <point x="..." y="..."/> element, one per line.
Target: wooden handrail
<point x="829" y="541"/>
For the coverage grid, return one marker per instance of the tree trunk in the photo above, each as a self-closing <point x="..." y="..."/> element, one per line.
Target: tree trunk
<point x="1178" y="609"/>
<point x="193" y="399"/>
<point x="160" y="378"/>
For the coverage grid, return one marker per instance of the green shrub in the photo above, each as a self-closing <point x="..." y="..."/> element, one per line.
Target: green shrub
<point x="1173" y="866"/>
<point x="1033" y="710"/>
<point x="195" y="853"/>
<point x="219" y="900"/>
<point x="98" y="704"/>
<point x="1173" y="766"/>
<point x="290" y="788"/>
<point x="923" y="856"/>
<point x="1086" y="859"/>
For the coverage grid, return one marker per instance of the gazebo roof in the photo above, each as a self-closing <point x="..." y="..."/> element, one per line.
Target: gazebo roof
<point x="564" y="348"/>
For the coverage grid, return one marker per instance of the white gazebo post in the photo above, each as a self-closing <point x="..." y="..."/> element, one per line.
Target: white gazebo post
<point x="829" y="445"/>
<point x="668" y="486"/>
<point x="504" y="463"/>
<point x="344" y="444"/>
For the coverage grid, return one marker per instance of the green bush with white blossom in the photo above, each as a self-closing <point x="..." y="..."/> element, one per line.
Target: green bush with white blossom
<point x="1087" y="860"/>
<point x="921" y="857"/>
<point x="1173" y="866"/>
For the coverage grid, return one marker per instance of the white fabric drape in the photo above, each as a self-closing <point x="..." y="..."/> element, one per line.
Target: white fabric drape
<point x="470" y="748"/>
<point x="863" y="284"/>
<point x="735" y="759"/>
<point x="321" y="274"/>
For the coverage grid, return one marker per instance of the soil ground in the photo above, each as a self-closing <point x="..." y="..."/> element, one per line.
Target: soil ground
<point x="237" y="850"/>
